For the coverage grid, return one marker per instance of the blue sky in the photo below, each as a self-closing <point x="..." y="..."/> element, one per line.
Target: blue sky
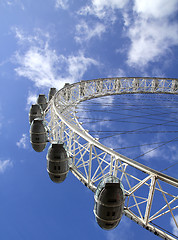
<point x="46" y="44"/>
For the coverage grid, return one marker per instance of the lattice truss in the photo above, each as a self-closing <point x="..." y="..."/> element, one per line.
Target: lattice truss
<point x="151" y="197"/>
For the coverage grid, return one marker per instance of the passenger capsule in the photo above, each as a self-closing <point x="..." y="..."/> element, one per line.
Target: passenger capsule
<point x="155" y="85"/>
<point x="135" y="84"/>
<point x="52" y="92"/>
<point x="38" y="135"/>
<point x="42" y="101"/>
<point x="35" y="112"/>
<point x="174" y="85"/>
<point x="57" y="162"/>
<point x="109" y="202"/>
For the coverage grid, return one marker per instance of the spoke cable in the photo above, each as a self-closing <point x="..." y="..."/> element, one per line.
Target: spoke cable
<point x="148" y="111"/>
<point x="115" y="120"/>
<point x="169" y="166"/>
<point x="141" y="145"/>
<point x="155" y="148"/>
<point x="128" y="115"/>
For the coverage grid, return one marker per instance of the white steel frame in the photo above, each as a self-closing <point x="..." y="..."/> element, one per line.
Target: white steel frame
<point x="91" y="161"/>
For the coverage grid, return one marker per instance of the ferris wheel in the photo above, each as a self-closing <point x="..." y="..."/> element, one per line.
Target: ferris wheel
<point x="121" y="184"/>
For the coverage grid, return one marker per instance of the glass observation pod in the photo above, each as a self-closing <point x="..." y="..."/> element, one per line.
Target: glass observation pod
<point x="109" y="202"/>
<point x="35" y="112"/>
<point x="38" y="135"/>
<point x="42" y="101"/>
<point x="51" y="94"/>
<point x="57" y="162"/>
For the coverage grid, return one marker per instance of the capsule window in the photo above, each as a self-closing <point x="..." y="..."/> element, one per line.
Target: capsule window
<point x="59" y="168"/>
<point x="112" y="200"/>
<point x="113" y="214"/>
<point x="57" y="176"/>
<point x="108" y="214"/>
<point x="54" y="167"/>
<point x="109" y="224"/>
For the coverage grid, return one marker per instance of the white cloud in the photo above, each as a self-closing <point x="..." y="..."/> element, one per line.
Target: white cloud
<point x="84" y="32"/>
<point x="126" y="18"/>
<point x="62" y="4"/>
<point x="78" y="65"/>
<point x="32" y="98"/>
<point x="104" y="9"/>
<point x="112" y="235"/>
<point x="4" y="164"/>
<point x="12" y="3"/>
<point x="121" y="231"/>
<point x="38" y="65"/>
<point x="149" y="152"/>
<point x="4" y="62"/>
<point x="22" y="143"/>
<point x="117" y="72"/>
<point x="121" y="73"/>
<point x="173" y="225"/>
<point x="155" y="8"/>
<point x="105" y="102"/>
<point x="150" y="26"/>
<point x="39" y="38"/>
<point x="157" y="72"/>
<point x="45" y="67"/>
<point x="172" y="151"/>
<point x="150" y="40"/>
<point x="153" y="31"/>
<point x="114" y="142"/>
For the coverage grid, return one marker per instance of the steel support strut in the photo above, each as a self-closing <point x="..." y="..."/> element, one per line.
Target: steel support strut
<point x="63" y="119"/>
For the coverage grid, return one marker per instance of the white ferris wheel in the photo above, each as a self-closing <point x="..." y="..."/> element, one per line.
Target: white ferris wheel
<point x="145" y="195"/>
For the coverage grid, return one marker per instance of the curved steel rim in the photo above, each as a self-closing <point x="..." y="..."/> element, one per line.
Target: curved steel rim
<point x="62" y="107"/>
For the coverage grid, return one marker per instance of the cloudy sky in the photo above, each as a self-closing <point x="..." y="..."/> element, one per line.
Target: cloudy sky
<point x="46" y="44"/>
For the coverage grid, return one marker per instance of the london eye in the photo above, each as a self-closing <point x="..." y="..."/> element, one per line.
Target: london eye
<point x="121" y="182"/>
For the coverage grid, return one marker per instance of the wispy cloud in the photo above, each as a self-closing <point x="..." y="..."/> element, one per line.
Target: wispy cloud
<point x="22" y="143"/>
<point x="149" y="152"/>
<point x="119" y="72"/>
<point x="12" y="3"/>
<point x="121" y="231"/>
<point x="114" y="142"/>
<point x="32" y="98"/>
<point x="105" y="102"/>
<point x="62" y="4"/>
<point x="39" y="38"/>
<point x="152" y="151"/>
<point x="4" y="165"/>
<point x="103" y="9"/>
<point x="44" y="66"/>
<point x="85" y="32"/>
<point x="167" y="152"/>
<point x="4" y="62"/>
<point x="173" y="225"/>
<point x="77" y="65"/>
<point x="172" y="151"/>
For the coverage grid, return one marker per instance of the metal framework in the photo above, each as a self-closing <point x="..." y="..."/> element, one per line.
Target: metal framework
<point x="91" y="161"/>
